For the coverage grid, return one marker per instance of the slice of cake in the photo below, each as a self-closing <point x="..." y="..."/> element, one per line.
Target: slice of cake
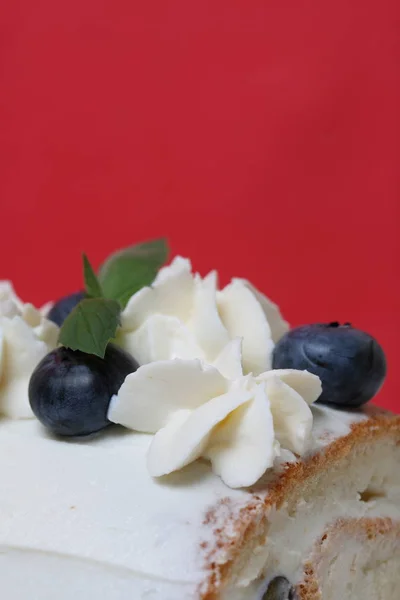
<point x="238" y="461"/>
<point x="85" y="520"/>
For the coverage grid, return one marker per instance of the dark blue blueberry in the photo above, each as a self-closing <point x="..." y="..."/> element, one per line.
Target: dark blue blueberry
<point x="61" y="309"/>
<point x="69" y="391"/>
<point x="279" y="589"/>
<point x="350" y="363"/>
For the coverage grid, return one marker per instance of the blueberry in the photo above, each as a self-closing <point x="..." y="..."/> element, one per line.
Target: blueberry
<point x="61" y="309"/>
<point x="350" y="363"/>
<point x="69" y="391"/>
<point x="279" y="589"/>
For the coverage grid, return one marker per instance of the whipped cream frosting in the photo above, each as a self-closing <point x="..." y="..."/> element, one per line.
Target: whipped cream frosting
<point x="185" y="316"/>
<point x="194" y="411"/>
<point x="206" y="388"/>
<point x="26" y="336"/>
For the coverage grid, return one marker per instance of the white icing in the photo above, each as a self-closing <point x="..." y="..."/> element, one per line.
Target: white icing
<point x="229" y="361"/>
<point x="184" y="316"/>
<point x="244" y="446"/>
<point x="88" y="511"/>
<point x="290" y="392"/>
<point x="188" y="435"/>
<point x="205" y="322"/>
<point x="154" y="393"/>
<point x="330" y="423"/>
<point x="83" y="518"/>
<point x="170" y="327"/>
<point x="277" y="325"/>
<point x="26" y="336"/>
<point x="243" y="315"/>
<point x="304" y="383"/>
<point x="292" y="416"/>
<point x="194" y="411"/>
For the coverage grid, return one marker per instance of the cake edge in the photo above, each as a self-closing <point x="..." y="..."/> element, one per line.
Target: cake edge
<point x="249" y="524"/>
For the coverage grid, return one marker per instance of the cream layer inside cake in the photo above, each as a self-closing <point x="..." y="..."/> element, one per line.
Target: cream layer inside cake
<point x="83" y="519"/>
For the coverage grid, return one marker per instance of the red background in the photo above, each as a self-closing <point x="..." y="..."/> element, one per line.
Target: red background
<point x="260" y="136"/>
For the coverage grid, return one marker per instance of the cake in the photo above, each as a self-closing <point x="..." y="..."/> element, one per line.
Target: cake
<point x="84" y="520"/>
<point x="250" y="491"/>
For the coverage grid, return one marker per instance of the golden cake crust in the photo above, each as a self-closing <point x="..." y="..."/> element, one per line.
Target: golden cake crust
<point x="251" y="524"/>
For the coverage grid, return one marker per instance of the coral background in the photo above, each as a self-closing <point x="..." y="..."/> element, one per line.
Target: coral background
<point x="261" y="136"/>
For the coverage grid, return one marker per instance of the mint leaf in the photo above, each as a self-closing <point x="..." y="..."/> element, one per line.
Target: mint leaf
<point x="92" y="285"/>
<point x="127" y="271"/>
<point x="90" y="326"/>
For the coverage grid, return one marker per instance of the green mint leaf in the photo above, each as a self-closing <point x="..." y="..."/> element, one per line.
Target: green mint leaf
<point x="92" y="285"/>
<point x="91" y="325"/>
<point x="127" y="271"/>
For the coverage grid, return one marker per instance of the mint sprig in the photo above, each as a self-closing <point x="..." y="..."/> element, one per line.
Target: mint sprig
<point x="92" y="285"/>
<point x="94" y="321"/>
<point x="125" y="272"/>
<point x="91" y="325"/>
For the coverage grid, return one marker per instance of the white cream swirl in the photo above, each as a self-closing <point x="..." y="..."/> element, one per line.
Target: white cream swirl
<point x="26" y="336"/>
<point x="184" y="316"/>
<point x="204" y="388"/>
<point x="238" y="424"/>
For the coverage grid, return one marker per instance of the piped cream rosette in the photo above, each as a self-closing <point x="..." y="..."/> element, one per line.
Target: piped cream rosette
<point x="26" y="336"/>
<point x="183" y="315"/>
<point x="206" y="388"/>
<point x="238" y="424"/>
